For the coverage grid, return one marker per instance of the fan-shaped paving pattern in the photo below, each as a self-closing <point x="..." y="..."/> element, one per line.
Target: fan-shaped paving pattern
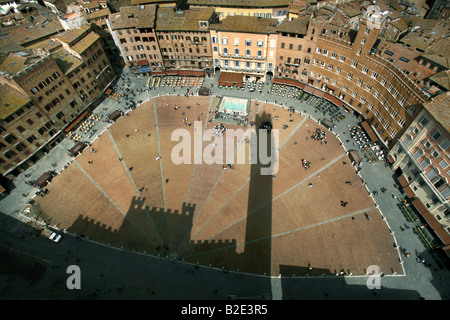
<point x="236" y="219"/>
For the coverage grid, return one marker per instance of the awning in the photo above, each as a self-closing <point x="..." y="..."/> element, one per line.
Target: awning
<point x="204" y="92"/>
<point x="76" y="121"/>
<point x="191" y="73"/>
<point x="326" y="123"/>
<point x="115" y="115"/>
<point x="43" y="180"/>
<point x="369" y="131"/>
<point x="145" y="69"/>
<point x="231" y="78"/>
<point x="158" y="73"/>
<point x="333" y="99"/>
<point x="354" y="156"/>
<point x="431" y="220"/>
<point x="409" y="192"/>
<point x="403" y="181"/>
<point x="108" y="91"/>
<point x="77" y="148"/>
<point x="289" y="82"/>
<point x="142" y="63"/>
<point x="318" y="93"/>
<point x="308" y="89"/>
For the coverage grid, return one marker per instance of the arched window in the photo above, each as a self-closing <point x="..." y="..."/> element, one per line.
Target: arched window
<point x="418" y="153"/>
<point x="425" y="163"/>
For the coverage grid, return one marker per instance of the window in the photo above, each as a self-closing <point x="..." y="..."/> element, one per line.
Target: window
<point x="260" y="43"/>
<point x="236" y="52"/>
<point x="248" y="53"/>
<point x="444" y="145"/>
<point x="214" y="40"/>
<point x="224" y="40"/>
<point x="9" y="154"/>
<point x="418" y="153"/>
<point x="10" y="138"/>
<point x="259" y="54"/>
<point x="423" y="121"/>
<point x="443" y="164"/>
<point x="434" y="153"/>
<point x="436" y="134"/>
<point x="248" y="43"/>
<point x="236" y="41"/>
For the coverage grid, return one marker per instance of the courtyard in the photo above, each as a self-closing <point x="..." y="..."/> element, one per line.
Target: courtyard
<point x="130" y="194"/>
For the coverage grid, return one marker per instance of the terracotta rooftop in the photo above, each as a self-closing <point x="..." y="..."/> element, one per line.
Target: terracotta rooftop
<point x="246" y="24"/>
<point x="297" y="26"/>
<point x="439" y="108"/>
<point x="85" y="43"/>
<point x="438" y="59"/>
<point x="137" y="2"/>
<point x="72" y="36"/>
<point x="241" y="3"/>
<point x="442" y="79"/>
<point x="168" y="19"/>
<point x="11" y="100"/>
<point x="134" y="17"/>
<point x="98" y="14"/>
<point x="66" y="61"/>
<point x="417" y="41"/>
<point x="18" y="61"/>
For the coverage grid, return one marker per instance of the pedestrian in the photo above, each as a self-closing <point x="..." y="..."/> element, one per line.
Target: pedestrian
<point x="167" y="180"/>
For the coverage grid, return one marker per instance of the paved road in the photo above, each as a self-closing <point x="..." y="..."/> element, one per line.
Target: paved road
<point x="109" y="273"/>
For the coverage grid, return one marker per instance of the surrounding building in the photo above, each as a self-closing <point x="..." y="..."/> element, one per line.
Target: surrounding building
<point x="45" y="87"/>
<point x="38" y="100"/>
<point x="277" y="9"/>
<point x="245" y="45"/>
<point x="184" y="38"/>
<point x="420" y="159"/>
<point x="133" y="31"/>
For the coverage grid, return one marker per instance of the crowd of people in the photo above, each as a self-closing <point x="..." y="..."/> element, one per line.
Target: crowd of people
<point x="266" y="125"/>
<point x="219" y="129"/>
<point x="319" y="135"/>
<point x="306" y="164"/>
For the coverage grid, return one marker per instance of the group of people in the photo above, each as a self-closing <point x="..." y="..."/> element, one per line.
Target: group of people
<point x="306" y="164"/>
<point x="266" y="125"/>
<point x="319" y="135"/>
<point x="228" y="166"/>
<point x="219" y="129"/>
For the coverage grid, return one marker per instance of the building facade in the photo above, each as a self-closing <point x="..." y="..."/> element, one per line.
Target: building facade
<point x="246" y="45"/>
<point x="45" y="102"/>
<point x="372" y="87"/>
<point x="420" y="159"/>
<point x="184" y="38"/>
<point x="133" y="31"/>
